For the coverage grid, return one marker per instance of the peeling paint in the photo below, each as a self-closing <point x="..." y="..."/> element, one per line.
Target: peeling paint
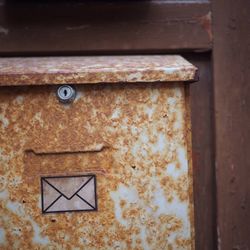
<point x="19" y="99"/>
<point x="4" y="31"/>
<point x="4" y="121"/>
<point x="80" y="27"/>
<point x="218" y="238"/>
<point x="15" y="207"/>
<point x="4" y="195"/>
<point x="206" y="23"/>
<point x="37" y="238"/>
<point x="123" y="194"/>
<point x="2" y="236"/>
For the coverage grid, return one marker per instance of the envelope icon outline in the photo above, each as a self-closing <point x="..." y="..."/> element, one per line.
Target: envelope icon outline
<point x="68" y="193"/>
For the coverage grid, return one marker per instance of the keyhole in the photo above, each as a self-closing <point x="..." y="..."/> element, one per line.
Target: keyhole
<point x="66" y="93"/>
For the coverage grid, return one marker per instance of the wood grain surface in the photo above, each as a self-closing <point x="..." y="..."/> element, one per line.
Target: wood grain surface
<point x="203" y="153"/>
<point x="142" y="27"/>
<point x="94" y="27"/>
<point x="231" y="58"/>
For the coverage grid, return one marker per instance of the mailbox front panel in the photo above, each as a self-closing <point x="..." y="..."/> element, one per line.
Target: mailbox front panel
<point x="134" y="139"/>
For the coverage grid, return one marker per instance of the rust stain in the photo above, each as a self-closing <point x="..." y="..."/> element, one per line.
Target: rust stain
<point x="206" y="23"/>
<point x="90" y="70"/>
<point x="92" y="149"/>
<point x="134" y="137"/>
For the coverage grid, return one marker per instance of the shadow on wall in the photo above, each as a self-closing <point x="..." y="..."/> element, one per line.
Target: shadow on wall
<point x="77" y="11"/>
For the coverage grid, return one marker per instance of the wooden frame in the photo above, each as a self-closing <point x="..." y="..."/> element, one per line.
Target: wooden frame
<point x="231" y="61"/>
<point x="130" y="28"/>
<point x="168" y="27"/>
<point x="95" y="27"/>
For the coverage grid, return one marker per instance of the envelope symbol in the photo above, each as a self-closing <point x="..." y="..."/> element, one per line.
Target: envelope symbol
<point x="68" y="193"/>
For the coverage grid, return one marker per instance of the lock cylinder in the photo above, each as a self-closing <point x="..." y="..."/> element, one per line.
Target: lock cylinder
<point x="66" y="93"/>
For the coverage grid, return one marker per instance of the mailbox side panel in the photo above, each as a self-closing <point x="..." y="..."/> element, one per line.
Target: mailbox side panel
<point x="134" y="138"/>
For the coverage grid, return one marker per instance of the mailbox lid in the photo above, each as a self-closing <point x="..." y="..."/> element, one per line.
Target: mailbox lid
<point x="95" y="69"/>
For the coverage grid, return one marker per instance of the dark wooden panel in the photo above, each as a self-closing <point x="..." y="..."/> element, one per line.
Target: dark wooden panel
<point x="232" y="112"/>
<point x="203" y="154"/>
<point x="103" y="27"/>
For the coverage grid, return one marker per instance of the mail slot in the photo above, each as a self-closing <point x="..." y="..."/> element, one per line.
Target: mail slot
<point x="111" y="168"/>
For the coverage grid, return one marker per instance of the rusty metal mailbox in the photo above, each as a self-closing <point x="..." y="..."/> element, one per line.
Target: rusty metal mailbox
<point x="106" y="167"/>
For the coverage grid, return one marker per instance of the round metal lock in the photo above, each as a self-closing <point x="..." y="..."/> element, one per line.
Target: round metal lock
<point x="66" y="93"/>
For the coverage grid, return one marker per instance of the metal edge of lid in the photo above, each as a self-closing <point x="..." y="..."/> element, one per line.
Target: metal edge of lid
<point x="17" y="71"/>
